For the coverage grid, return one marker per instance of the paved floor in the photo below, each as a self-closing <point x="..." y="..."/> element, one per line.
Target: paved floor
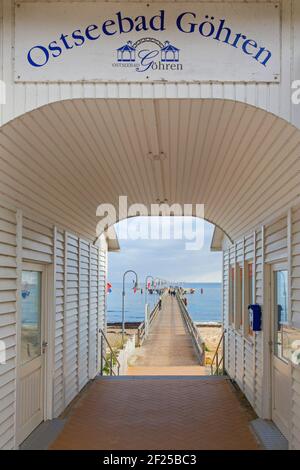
<point x="160" y="409"/>
<point x="158" y="413"/>
<point x="168" y="350"/>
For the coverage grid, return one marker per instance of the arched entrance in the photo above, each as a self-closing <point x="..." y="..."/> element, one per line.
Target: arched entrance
<point x="63" y="159"/>
<point x="60" y="161"/>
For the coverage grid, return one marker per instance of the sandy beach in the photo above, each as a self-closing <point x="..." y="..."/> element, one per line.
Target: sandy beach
<point x="211" y="335"/>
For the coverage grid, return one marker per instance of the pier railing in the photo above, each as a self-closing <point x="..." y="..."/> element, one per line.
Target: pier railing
<point x="109" y="364"/>
<point x="193" y="330"/>
<point x="142" y="329"/>
<point x="217" y="366"/>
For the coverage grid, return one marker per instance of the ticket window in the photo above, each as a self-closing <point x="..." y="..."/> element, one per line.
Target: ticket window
<point x="251" y="296"/>
<point x="240" y="298"/>
<point x="231" y="294"/>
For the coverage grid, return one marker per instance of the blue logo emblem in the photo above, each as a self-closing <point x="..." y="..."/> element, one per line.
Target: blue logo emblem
<point x="126" y="53"/>
<point x="149" y="53"/>
<point x="169" y="53"/>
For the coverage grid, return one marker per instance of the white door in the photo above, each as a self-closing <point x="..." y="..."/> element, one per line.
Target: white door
<point x="281" y="373"/>
<point x="32" y="352"/>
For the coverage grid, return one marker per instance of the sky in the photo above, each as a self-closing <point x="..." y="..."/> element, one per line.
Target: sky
<point x="166" y="258"/>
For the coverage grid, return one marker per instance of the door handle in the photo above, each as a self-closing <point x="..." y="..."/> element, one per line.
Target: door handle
<point x="44" y="346"/>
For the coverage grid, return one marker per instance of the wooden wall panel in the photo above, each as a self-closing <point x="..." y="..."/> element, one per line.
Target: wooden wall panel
<point x="8" y="320"/>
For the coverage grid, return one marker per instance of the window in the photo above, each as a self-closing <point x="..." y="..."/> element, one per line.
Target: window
<point x="250" y="284"/>
<point x="250" y="299"/>
<point x="231" y="294"/>
<point x="240" y="297"/>
<point x="31" y="316"/>
<point x="281" y="349"/>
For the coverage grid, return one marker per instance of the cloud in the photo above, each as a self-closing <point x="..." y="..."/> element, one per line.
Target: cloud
<point x="167" y="259"/>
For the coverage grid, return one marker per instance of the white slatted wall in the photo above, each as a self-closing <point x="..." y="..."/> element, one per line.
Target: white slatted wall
<point x="37" y="242"/>
<point x="231" y="335"/>
<point x="80" y="312"/>
<point x="71" y="318"/>
<point x="295" y="428"/>
<point x="244" y="361"/>
<point x="225" y="303"/>
<point x="276" y="241"/>
<point x="295" y="268"/>
<point x="8" y="296"/>
<point x="58" y="379"/>
<point x="258" y="337"/>
<point x="102" y="287"/>
<point x="84" y="294"/>
<point x="80" y="285"/>
<point x="249" y="345"/>
<point x="93" y="312"/>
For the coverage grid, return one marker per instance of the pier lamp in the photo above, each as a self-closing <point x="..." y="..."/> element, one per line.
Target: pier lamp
<point x="146" y="286"/>
<point x="123" y="299"/>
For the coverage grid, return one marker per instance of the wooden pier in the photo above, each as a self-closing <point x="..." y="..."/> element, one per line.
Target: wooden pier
<point x="168" y="349"/>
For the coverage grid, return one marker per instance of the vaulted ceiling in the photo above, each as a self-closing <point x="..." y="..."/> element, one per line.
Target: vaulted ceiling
<point x="64" y="159"/>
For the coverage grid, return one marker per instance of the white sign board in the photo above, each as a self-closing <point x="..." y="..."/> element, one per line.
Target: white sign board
<point x="142" y="42"/>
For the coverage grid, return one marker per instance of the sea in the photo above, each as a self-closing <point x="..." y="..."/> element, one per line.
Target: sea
<point x="205" y="305"/>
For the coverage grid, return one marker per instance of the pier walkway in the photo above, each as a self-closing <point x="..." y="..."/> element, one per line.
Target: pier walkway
<point x="168" y="349"/>
<point x="156" y="406"/>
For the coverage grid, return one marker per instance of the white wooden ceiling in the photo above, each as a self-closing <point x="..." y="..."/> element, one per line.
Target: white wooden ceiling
<point x="64" y="159"/>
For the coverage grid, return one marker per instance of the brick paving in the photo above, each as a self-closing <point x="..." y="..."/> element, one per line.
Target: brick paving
<point x="149" y="409"/>
<point x="158" y="413"/>
<point x="168" y="350"/>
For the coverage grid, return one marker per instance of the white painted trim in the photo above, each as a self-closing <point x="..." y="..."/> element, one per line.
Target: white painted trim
<point x="273" y="268"/>
<point x="65" y="314"/>
<point x="48" y="337"/>
<point x="90" y="372"/>
<point x="19" y="248"/>
<point x="98" y="310"/>
<point x="243" y="294"/>
<point x="79" y="316"/>
<point x="266" y="323"/>
<point x="254" y="264"/>
<point x="45" y="336"/>
<point x="254" y="339"/>
<point x="222" y="305"/>
<point x="289" y="263"/>
<point x="7" y="60"/>
<point x="50" y="331"/>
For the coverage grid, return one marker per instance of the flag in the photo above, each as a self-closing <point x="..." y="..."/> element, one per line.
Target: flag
<point x="108" y="288"/>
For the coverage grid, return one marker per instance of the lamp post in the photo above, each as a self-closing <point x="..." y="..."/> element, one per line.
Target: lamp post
<point x="146" y="286"/>
<point x="157" y="282"/>
<point x="123" y="299"/>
